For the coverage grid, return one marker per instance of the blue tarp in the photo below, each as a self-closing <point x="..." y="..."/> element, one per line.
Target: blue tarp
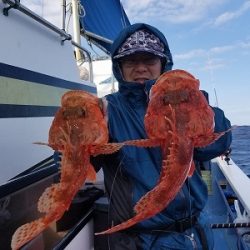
<point x="102" y="21"/>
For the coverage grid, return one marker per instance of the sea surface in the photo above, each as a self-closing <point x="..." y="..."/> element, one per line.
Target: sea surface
<point x="241" y="148"/>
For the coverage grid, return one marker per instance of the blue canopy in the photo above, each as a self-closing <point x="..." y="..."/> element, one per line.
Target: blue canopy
<point x="102" y="21"/>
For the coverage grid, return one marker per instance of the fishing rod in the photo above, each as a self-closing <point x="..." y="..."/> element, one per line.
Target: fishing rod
<point x="230" y="225"/>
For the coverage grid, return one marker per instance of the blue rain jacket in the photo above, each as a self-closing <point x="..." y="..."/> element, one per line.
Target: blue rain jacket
<point x="133" y="171"/>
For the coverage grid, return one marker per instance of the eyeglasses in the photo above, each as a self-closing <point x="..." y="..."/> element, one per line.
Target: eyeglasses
<point x="134" y="61"/>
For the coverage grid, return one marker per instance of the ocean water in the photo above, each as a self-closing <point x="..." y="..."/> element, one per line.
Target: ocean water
<point x="241" y="148"/>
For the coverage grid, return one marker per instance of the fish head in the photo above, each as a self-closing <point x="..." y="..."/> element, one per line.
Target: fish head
<point x="176" y="103"/>
<point x="79" y="121"/>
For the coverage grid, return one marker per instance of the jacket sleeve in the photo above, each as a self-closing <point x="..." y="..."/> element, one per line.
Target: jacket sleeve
<point x="221" y="145"/>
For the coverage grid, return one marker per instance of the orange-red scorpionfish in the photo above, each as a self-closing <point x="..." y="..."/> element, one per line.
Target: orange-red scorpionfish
<point x="178" y="119"/>
<point x="78" y="130"/>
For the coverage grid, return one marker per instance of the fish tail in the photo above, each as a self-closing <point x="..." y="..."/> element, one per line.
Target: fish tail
<point x="123" y="225"/>
<point x="47" y="199"/>
<point x="27" y="232"/>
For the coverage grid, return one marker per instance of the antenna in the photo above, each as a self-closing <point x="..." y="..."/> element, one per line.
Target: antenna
<point x="216" y="98"/>
<point x="42" y="4"/>
<point x="212" y="78"/>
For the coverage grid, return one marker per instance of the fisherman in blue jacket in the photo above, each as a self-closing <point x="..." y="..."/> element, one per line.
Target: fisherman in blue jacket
<point x="140" y="55"/>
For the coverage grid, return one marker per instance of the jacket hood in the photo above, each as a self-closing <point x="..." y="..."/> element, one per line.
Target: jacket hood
<point x="124" y="34"/>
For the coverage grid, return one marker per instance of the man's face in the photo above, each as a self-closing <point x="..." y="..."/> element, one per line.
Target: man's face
<point x="140" y="67"/>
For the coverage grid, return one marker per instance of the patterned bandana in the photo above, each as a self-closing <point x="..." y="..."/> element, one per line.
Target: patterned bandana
<point x="141" y="41"/>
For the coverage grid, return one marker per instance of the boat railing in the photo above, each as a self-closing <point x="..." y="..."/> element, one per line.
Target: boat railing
<point x="238" y="180"/>
<point x="47" y="167"/>
<point x="23" y="191"/>
<point x="64" y="35"/>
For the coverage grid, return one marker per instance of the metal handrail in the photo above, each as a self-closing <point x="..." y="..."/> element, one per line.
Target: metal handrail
<point x="17" y="5"/>
<point x="89" y="59"/>
<point x="101" y="38"/>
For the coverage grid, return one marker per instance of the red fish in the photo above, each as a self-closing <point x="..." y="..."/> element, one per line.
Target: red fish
<point x="77" y="131"/>
<point x="178" y="119"/>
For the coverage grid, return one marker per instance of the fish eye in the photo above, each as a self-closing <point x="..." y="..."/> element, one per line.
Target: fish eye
<point x="81" y="112"/>
<point x="169" y="98"/>
<point x="74" y="112"/>
<point x="176" y="97"/>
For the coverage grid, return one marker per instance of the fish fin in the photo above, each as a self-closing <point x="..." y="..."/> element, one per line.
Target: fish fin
<point x="26" y="233"/>
<point x="41" y="143"/>
<point x="203" y="141"/>
<point x="108" y="148"/>
<point x="47" y="201"/>
<point x="143" y="143"/>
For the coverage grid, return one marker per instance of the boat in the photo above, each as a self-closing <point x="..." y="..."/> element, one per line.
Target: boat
<point x="39" y="62"/>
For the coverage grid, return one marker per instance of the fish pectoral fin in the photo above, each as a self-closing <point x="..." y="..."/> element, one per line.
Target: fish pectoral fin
<point x="41" y="143"/>
<point x="143" y="143"/>
<point x="205" y="140"/>
<point x="108" y="148"/>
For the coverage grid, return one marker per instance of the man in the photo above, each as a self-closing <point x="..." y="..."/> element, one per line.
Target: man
<point x="140" y="55"/>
